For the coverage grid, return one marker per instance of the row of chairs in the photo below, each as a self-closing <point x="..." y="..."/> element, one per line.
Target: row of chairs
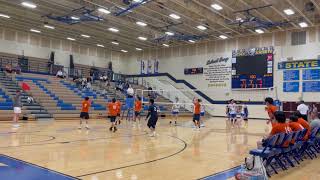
<point x="284" y="149"/>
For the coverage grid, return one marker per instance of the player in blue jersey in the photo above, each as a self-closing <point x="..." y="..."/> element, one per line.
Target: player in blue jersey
<point x="153" y="114"/>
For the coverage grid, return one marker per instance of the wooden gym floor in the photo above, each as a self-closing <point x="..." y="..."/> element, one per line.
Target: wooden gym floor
<point x="178" y="152"/>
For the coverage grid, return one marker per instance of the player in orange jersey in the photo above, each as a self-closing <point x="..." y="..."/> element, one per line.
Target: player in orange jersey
<point x="271" y="109"/>
<point x="113" y="112"/>
<point x="85" y="112"/>
<point x="196" y="113"/>
<point x="119" y="105"/>
<point x="137" y="109"/>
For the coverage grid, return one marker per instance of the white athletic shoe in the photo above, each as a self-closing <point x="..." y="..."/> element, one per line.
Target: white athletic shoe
<point x="16" y="125"/>
<point x="79" y="127"/>
<point x="202" y="125"/>
<point x="87" y="127"/>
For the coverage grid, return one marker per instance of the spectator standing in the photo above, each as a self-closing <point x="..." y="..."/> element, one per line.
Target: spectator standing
<point x="303" y="109"/>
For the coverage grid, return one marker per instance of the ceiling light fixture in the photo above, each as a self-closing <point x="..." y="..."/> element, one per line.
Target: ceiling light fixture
<point x="216" y="7"/>
<point x="166" y="45"/>
<point x="201" y="27"/>
<point x="86" y="36"/>
<point x="34" y="30"/>
<point x="100" y="45"/>
<point x="49" y="27"/>
<point x="303" y="24"/>
<point x="28" y="5"/>
<point x="142" y="38"/>
<point x="141" y="23"/>
<point x="71" y="39"/>
<point x="75" y="18"/>
<point x="169" y="33"/>
<point x="223" y="37"/>
<point x="125" y="51"/>
<point x="114" y="42"/>
<point x="138" y="49"/>
<point x="259" y="31"/>
<point x="104" y="10"/>
<point x="113" y="30"/>
<point x="4" y="16"/>
<point x="174" y="16"/>
<point x="288" y="12"/>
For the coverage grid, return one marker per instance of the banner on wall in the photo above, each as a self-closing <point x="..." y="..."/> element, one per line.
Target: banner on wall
<point x="149" y="67"/>
<point x="156" y="66"/>
<point x="142" y="67"/>
<point x="217" y="72"/>
<point x="299" y="64"/>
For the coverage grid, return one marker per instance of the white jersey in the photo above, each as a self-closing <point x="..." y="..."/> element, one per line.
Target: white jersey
<point x="232" y="108"/>
<point x="202" y="108"/>
<point x="243" y="108"/>
<point x="176" y="107"/>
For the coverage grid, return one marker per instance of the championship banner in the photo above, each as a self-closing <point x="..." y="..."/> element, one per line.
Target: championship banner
<point x="299" y="64"/>
<point x="156" y="66"/>
<point x="149" y="67"/>
<point x="142" y="67"/>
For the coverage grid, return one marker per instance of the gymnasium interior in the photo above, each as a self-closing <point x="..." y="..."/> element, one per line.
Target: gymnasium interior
<point x="227" y="57"/>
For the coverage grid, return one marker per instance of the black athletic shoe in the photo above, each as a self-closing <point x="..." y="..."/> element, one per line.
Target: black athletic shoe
<point x="170" y="122"/>
<point x="110" y="128"/>
<point x="114" y="129"/>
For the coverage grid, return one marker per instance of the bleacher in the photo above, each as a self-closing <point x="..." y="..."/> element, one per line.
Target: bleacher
<point x="59" y="97"/>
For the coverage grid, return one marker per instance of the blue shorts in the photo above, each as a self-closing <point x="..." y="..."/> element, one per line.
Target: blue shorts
<point x="196" y="117"/>
<point x="175" y="112"/>
<point x="232" y="116"/>
<point x="202" y="114"/>
<point x="113" y="118"/>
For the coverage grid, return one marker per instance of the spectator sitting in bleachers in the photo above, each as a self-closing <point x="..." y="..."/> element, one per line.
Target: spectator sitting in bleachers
<point x="8" y="68"/>
<point x="17" y="69"/>
<point x="60" y="74"/>
<point x="88" y="86"/>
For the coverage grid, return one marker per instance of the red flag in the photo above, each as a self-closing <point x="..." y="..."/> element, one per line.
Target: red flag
<point x="25" y="86"/>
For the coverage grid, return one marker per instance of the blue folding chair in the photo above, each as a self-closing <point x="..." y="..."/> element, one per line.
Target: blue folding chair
<point x="266" y="152"/>
<point x="283" y="151"/>
<point x="311" y="143"/>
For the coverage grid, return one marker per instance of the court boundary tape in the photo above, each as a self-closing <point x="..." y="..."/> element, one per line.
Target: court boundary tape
<point x="40" y="167"/>
<point x="219" y="173"/>
<point x="146" y="162"/>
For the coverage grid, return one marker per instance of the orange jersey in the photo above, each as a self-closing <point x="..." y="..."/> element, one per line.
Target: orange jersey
<point x="306" y="125"/>
<point x="137" y="106"/>
<point x="118" y="103"/>
<point x="113" y="109"/>
<point x="295" y="126"/>
<point x="196" y="108"/>
<point x="271" y="110"/>
<point x="85" y="106"/>
<point x="281" y="128"/>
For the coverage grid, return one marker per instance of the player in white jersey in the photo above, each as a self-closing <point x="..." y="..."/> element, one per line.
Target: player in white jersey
<point x="232" y="112"/>
<point x="175" y="112"/>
